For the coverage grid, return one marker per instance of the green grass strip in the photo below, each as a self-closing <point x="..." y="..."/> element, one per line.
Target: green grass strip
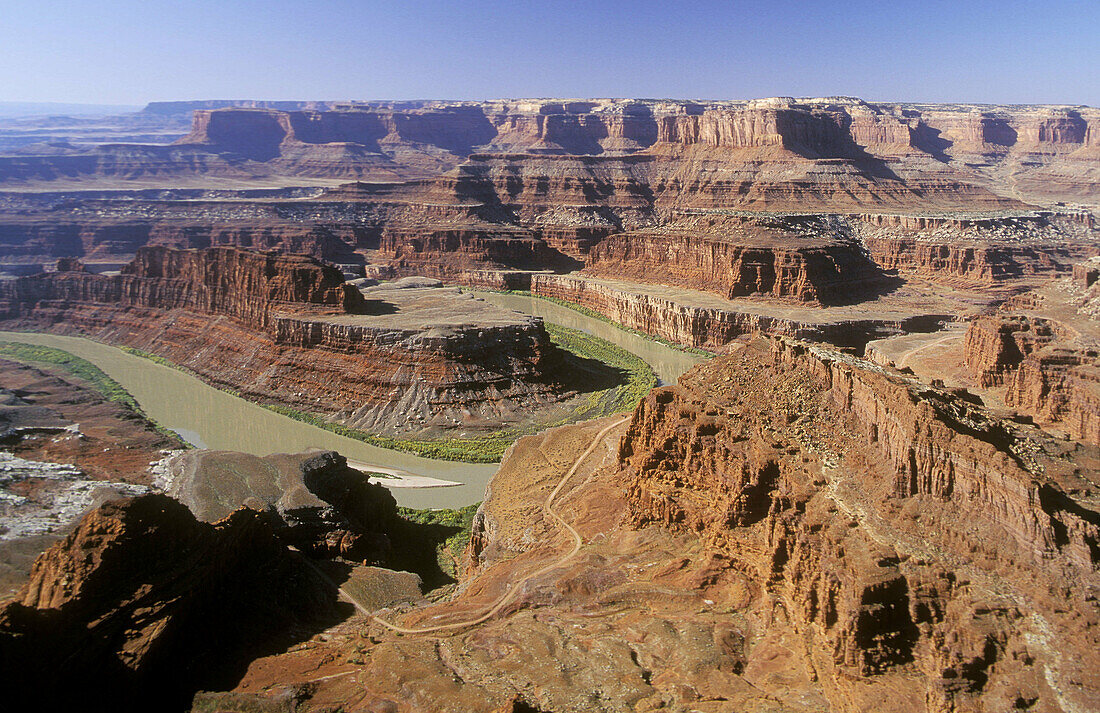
<point x="490" y="448"/>
<point x="87" y="372"/>
<point x="449" y="550"/>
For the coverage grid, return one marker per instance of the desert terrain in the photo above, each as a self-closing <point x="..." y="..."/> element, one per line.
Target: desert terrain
<point x="837" y="448"/>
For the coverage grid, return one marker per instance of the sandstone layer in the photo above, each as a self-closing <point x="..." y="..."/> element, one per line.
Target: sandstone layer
<point x="819" y="201"/>
<point x="889" y="152"/>
<point x="789" y="528"/>
<point x="288" y="330"/>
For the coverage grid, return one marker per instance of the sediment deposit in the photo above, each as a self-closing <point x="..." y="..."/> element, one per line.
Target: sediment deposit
<point x="288" y="330"/>
<point x="788" y="526"/>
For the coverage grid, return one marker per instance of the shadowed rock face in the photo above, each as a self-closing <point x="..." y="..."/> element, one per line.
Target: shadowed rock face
<point x="144" y="603"/>
<point x="787" y="528"/>
<point x="141" y="604"/>
<point x="316" y="502"/>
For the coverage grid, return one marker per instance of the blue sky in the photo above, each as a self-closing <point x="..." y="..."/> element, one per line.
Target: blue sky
<point x="133" y="51"/>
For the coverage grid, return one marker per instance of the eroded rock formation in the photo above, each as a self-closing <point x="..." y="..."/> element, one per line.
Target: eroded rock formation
<point x="141" y="604"/>
<point x="789" y="527"/>
<point x="887" y="515"/>
<point x="1049" y="370"/>
<point x="288" y="330"/>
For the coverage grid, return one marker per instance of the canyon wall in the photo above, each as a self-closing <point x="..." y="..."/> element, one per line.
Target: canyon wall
<point x="837" y="151"/>
<point x="288" y="330"/>
<point x="1048" y="369"/>
<point x="853" y="492"/>
<point x="977" y="250"/>
<point x="245" y="285"/>
<point x="803" y="258"/>
<point x="710" y="327"/>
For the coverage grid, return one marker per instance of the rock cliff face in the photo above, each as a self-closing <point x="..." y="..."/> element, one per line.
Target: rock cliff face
<point x="807" y="258"/>
<point x="1048" y="369"/>
<point x="251" y="287"/>
<point x="789" y="527"/>
<point x="141" y="604"/>
<point x="707" y="326"/>
<point x="288" y="330"/>
<point x="853" y="493"/>
<point x="445" y="253"/>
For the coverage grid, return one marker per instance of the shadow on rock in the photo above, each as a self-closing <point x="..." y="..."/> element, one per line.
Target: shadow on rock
<point x="142" y="605"/>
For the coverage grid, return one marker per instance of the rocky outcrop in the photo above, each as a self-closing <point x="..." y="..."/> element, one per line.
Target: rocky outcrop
<point x="288" y="330"/>
<point x="788" y="527"/>
<point x="1086" y="273"/>
<point x="712" y="327"/>
<point x="315" y="502"/>
<point x="142" y="604"/>
<point x="1048" y="369"/>
<point x="978" y="250"/>
<point x="850" y="490"/>
<point x="803" y="258"/>
<point x="995" y="346"/>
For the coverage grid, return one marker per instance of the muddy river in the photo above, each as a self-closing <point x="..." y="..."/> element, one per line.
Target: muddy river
<point x="209" y="418"/>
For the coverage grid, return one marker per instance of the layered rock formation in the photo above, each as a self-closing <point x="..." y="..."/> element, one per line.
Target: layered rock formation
<point x="141" y="604"/>
<point x="787" y="528"/>
<point x="1048" y="369"/>
<point x="863" y="515"/>
<point x="672" y="193"/>
<point x="1048" y="150"/>
<point x="979" y="250"/>
<point x="803" y="258"/>
<point x="695" y="319"/>
<point x="288" y="330"/>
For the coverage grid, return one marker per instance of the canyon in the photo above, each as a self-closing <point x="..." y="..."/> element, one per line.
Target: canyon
<point x="288" y="330"/>
<point x="788" y="526"/>
<point x="877" y="491"/>
<point x="822" y="203"/>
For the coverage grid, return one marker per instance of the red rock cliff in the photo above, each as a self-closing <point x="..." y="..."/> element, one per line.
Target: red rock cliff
<point x="883" y="516"/>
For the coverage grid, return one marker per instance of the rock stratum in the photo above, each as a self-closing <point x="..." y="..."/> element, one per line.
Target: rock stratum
<point x="788" y="528"/>
<point x="819" y="142"/>
<point x="811" y="201"/>
<point x="288" y="330"/>
<point x="1042" y="351"/>
<point x="150" y="598"/>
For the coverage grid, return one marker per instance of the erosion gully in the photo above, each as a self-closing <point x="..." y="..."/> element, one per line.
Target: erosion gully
<point x="209" y="418"/>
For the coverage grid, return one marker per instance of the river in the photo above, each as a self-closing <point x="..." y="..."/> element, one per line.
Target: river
<point x="209" y="418"/>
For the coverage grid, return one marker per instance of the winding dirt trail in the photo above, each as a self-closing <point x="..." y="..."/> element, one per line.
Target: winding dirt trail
<point x="509" y="595"/>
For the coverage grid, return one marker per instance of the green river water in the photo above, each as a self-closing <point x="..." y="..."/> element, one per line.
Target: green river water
<point x="209" y="418"/>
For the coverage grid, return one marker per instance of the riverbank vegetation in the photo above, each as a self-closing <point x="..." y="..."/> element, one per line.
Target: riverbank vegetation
<point x="86" y="372"/>
<point x="610" y="379"/>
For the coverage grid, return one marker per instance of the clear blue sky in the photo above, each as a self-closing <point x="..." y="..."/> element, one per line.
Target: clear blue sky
<point x="133" y="51"/>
